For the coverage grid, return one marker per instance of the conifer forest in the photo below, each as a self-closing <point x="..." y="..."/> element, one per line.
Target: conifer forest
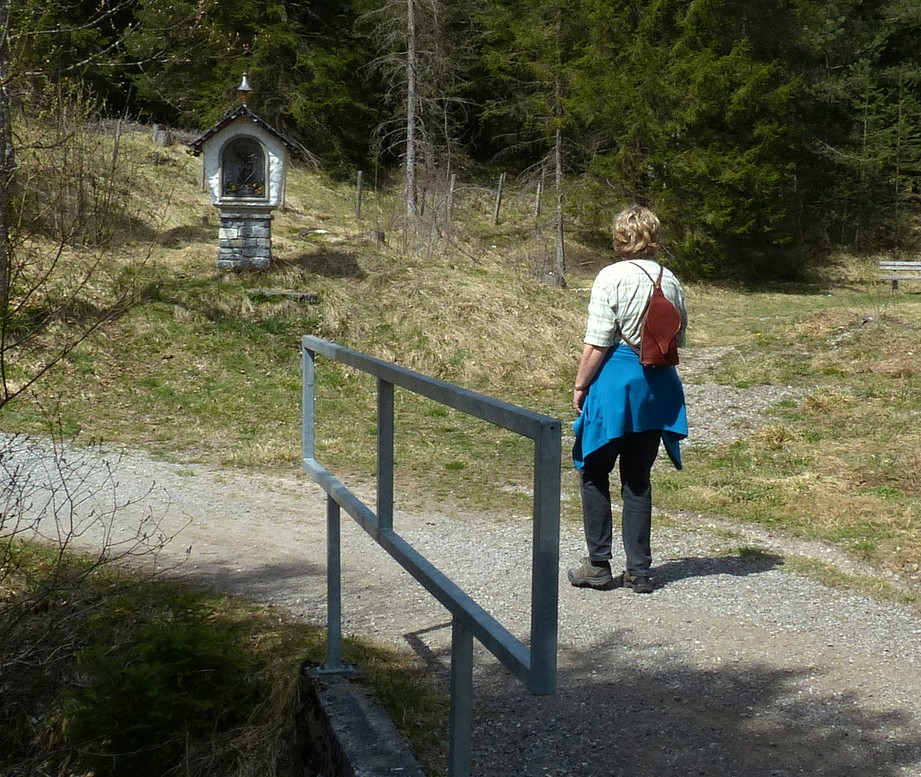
<point x="766" y="133"/>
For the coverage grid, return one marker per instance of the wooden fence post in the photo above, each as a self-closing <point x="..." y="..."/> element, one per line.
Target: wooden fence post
<point x="495" y="215"/>
<point x="449" y="205"/>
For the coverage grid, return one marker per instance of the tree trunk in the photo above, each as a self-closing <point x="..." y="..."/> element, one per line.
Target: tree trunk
<point x="7" y="176"/>
<point x="560" y="270"/>
<point x="410" y="156"/>
<point x="560" y="248"/>
<point x="7" y="165"/>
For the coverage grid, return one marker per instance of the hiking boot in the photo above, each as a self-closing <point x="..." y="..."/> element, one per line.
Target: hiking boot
<point x="587" y="575"/>
<point x="640" y="582"/>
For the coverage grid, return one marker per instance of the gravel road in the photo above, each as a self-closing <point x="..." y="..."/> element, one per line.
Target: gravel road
<point x="735" y="667"/>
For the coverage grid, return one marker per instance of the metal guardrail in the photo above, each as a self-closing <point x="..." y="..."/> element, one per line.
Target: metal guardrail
<point x="535" y="667"/>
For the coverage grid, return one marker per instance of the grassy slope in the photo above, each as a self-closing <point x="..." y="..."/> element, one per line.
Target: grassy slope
<point x="131" y="674"/>
<point x="206" y="366"/>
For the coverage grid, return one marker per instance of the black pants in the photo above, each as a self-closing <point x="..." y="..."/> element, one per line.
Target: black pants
<point x="636" y="454"/>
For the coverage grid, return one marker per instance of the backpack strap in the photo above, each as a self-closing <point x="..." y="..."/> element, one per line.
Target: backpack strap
<point x="655" y="285"/>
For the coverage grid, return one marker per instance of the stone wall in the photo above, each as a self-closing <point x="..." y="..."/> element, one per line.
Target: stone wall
<point x="244" y="240"/>
<point x="340" y="731"/>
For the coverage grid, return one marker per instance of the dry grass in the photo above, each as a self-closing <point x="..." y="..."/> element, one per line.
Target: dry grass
<point x="844" y="464"/>
<point x="206" y="367"/>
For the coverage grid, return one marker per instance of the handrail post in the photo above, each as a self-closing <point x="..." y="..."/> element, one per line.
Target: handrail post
<point x="460" y="725"/>
<point x="384" y="454"/>
<point x="545" y="549"/>
<point x="333" y="589"/>
<point x="308" y="403"/>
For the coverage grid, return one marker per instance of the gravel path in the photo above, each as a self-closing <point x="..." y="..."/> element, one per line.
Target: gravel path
<point x="734" y="667"/>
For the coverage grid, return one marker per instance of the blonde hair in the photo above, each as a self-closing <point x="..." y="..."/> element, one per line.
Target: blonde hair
<point x="636" y="231"/>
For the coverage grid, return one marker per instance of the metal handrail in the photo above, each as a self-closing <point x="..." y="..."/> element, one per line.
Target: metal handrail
<point x="535" y="666"/>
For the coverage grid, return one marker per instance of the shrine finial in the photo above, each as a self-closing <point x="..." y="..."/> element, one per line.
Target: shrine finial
<point x="244" y="89"/>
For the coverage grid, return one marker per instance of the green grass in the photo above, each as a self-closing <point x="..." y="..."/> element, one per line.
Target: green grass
<point x="842" y="464"/>
<point x="876" y="586"/>
<point x="125" y="674"/>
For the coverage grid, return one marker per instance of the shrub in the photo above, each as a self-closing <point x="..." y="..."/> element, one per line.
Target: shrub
<point x="176" y="678"/>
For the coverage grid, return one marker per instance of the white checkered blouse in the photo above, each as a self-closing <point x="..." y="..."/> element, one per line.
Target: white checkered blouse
<point x="620" y="294"/>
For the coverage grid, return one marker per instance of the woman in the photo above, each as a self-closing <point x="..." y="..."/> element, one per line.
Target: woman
<point x="624" y="409"/>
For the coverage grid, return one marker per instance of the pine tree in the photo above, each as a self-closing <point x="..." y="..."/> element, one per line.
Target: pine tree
<point x="423" y="55"/>
<point x="71" y="41"/>
<point x="305" y="65"/>
<point x="864" y="94"/>
<point x="696" y="117"/>
<point x="529" y="55"/>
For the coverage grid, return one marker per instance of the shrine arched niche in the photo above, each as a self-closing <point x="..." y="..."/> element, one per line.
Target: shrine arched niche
<point x="243" y="169"/>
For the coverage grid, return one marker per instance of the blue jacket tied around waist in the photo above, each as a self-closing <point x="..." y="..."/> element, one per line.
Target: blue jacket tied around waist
<point x="626" y="397"/>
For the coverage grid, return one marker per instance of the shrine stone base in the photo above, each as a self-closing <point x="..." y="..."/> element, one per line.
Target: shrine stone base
<point x="245" y="240"/>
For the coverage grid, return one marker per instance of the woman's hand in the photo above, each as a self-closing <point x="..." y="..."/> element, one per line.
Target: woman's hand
<point x="592" y="356"/>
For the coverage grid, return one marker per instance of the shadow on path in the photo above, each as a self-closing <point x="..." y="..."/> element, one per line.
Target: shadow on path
<point x="737" y="566"/>
<point x="616" y="714"/>
<point x="263" y="581"/>
<point x="629" y="705"/>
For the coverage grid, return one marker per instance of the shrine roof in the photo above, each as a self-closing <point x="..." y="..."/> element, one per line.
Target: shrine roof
<point x="196" y="146"/>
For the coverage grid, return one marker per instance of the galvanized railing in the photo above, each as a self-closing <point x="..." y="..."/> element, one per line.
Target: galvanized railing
<point x="535" y="667"/>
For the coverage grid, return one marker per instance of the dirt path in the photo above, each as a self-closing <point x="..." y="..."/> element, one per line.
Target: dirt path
<point x="735" y="667"/>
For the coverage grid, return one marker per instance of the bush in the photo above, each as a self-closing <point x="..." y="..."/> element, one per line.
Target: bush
<point x="107" y="673"/>
<point x="176" y="677"/>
